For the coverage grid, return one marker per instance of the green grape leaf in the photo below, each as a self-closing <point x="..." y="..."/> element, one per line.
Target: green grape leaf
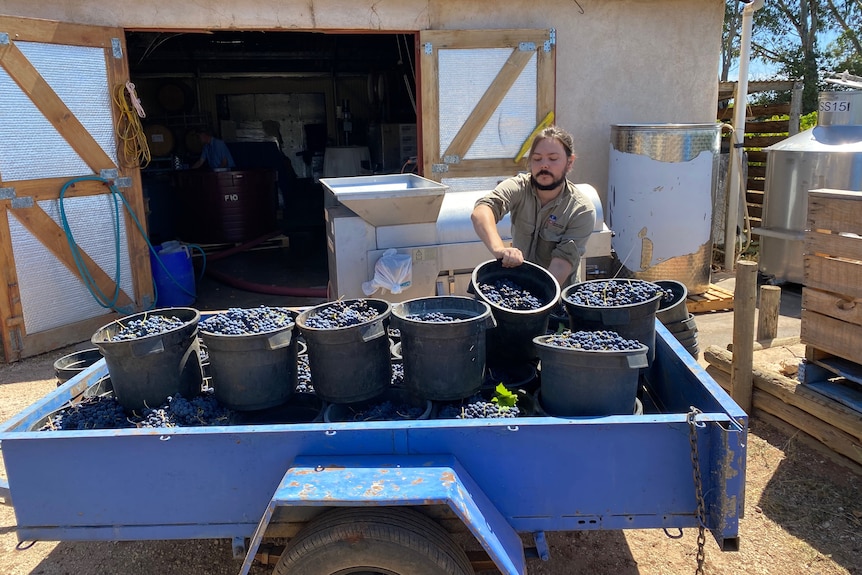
<point x="504" y="397"/>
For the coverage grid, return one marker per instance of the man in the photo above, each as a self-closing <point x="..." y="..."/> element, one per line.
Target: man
<point x="551" y="219"/>
<point x="214" y="152"/>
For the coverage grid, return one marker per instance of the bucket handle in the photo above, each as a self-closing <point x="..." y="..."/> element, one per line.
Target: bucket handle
<point x="490" y="321"/>
<point x="280" y="339"/>
<point x="372" y="331"/>
<point x="145" y="346"/>
<point x="638" y="360"/>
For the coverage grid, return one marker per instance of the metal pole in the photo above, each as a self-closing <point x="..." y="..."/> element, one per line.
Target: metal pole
<point x="736" y="187"/>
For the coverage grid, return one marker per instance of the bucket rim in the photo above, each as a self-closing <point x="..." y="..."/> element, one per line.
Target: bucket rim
<point x="542" y="341"/>
<point x="573" y="287"/>
<point x="64" y="361"/>
<point x="530" y="265"/>
<point x="398" y="310"/>
<point x="670" y="285"/>
<point x="391" y="394"/>
<point x="376" y="302"/>
<point x="98" y="341"/>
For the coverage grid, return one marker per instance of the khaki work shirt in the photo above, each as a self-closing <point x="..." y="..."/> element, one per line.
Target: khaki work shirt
<point x="558" y="230"/>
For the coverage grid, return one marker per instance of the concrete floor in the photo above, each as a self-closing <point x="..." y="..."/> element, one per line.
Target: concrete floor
<point x="716" y="328"/>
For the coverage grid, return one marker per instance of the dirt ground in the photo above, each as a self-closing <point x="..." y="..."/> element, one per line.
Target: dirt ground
<point x="803" y="515"/>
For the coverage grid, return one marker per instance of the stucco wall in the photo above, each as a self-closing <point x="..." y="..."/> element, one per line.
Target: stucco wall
<point x="618" y="61"/>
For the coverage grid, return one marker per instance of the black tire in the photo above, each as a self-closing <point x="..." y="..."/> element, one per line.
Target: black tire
<point x="390" y="541"/>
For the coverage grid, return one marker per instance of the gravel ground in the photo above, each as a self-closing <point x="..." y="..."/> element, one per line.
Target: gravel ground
<point x="803" y="516"/>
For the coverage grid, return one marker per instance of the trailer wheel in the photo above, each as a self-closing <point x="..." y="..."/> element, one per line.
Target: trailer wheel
<point x="373" y="541"/>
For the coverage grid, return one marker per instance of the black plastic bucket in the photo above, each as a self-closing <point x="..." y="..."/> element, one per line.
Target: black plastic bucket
<point x="674" y="309"/>
<point x="631" y="321"/>
<point x="253" y="371"/>
<point x="301" y="408"/>
<point x="578" y="383"/>
<point x="537" y="400"/>
<point x="680" y="328"/>
<point x="360" y="411"/>
<point x="443" y="360"/>
<point x="511" y="342"/>
<point x="349" y="364"/>
<point x="70" y="365"/>
<point x="147" y="370"/>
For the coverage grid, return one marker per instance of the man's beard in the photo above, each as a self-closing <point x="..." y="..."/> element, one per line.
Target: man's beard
<point x="547" y="187"/>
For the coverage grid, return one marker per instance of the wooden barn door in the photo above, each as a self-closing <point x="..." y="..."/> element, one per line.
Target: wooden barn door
<point x="482" y="94"/>
<point x="58" y="124"/>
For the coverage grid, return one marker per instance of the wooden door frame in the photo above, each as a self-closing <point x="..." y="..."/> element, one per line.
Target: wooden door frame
<point x="23" y="196"/>
<point x="429" y="95"/>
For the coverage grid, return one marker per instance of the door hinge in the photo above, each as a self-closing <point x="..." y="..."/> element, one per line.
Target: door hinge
<point x="551" y="40"/>
<point x="25" y="202"/>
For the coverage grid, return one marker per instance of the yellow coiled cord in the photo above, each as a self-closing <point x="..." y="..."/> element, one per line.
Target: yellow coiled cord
<point x="135" y="150"/>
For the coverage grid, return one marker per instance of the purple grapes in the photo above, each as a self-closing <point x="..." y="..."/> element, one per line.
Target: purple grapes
<point x="341" y="314"/>
<point x="506" y="293"/>
<point x="603" y="340"/>
<point x="615" y="292"/>
<point x="147" y="326"/>
<point x="237" y="321"/>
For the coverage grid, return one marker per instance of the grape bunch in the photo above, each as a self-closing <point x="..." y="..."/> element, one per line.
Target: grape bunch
<point x="397" y="373"/>
<point x="506" y="293"/>
<point x="603" y="340"/>
<point x="475" y="407"/>
<point x="105" y="412"/>
<point x="98" y="412"/>
<point x="160" y="417"/>
<point x="238" y="321"/>
<point x="303" y="375"/>
<point x="341" y="314"/>
<point x="149" y="325"/>
<point x="387" y="411"/>
<point x="201" y="410"/>
<point x="432" y="317"/>
<point x="615" y="292"/>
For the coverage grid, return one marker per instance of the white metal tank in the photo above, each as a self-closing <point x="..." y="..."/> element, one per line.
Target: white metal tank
<point x="661" y="185"/>
<point x="828" y="155"/>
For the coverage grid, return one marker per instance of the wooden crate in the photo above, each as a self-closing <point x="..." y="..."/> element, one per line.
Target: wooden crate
<point x="832" y="292"/>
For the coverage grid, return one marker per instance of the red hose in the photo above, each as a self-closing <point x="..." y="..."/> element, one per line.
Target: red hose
<point x="256" y="287"/>
<point x="267" y="289"/>
<point x="242" y="247"/>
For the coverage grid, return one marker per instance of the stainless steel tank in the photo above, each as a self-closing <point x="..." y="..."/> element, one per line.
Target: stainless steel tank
<point x="661" y="187"/>
<point x="826" y="156"/>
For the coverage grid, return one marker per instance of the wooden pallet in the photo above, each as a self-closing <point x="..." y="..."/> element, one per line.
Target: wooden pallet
<point x="714" y="299"/>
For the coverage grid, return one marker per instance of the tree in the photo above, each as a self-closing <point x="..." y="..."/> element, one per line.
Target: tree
<point x="786" y="34"/>
<point x="730" y="38"/>
<point x="846" y="51"/>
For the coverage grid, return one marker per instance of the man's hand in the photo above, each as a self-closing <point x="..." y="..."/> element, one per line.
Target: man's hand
<point x="511" y="257"/>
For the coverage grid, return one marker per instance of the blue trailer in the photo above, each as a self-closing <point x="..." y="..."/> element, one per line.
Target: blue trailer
<point x="386" y="496"/>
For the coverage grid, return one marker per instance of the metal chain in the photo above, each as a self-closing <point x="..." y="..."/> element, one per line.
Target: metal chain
<point x="698" y="487"/>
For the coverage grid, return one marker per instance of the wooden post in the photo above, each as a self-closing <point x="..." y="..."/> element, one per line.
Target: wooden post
<point x="767" y="319"/>
<point x="744" y="305"/>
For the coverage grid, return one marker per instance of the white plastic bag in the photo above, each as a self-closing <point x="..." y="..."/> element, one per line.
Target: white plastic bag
<point x="393" y="271"/>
